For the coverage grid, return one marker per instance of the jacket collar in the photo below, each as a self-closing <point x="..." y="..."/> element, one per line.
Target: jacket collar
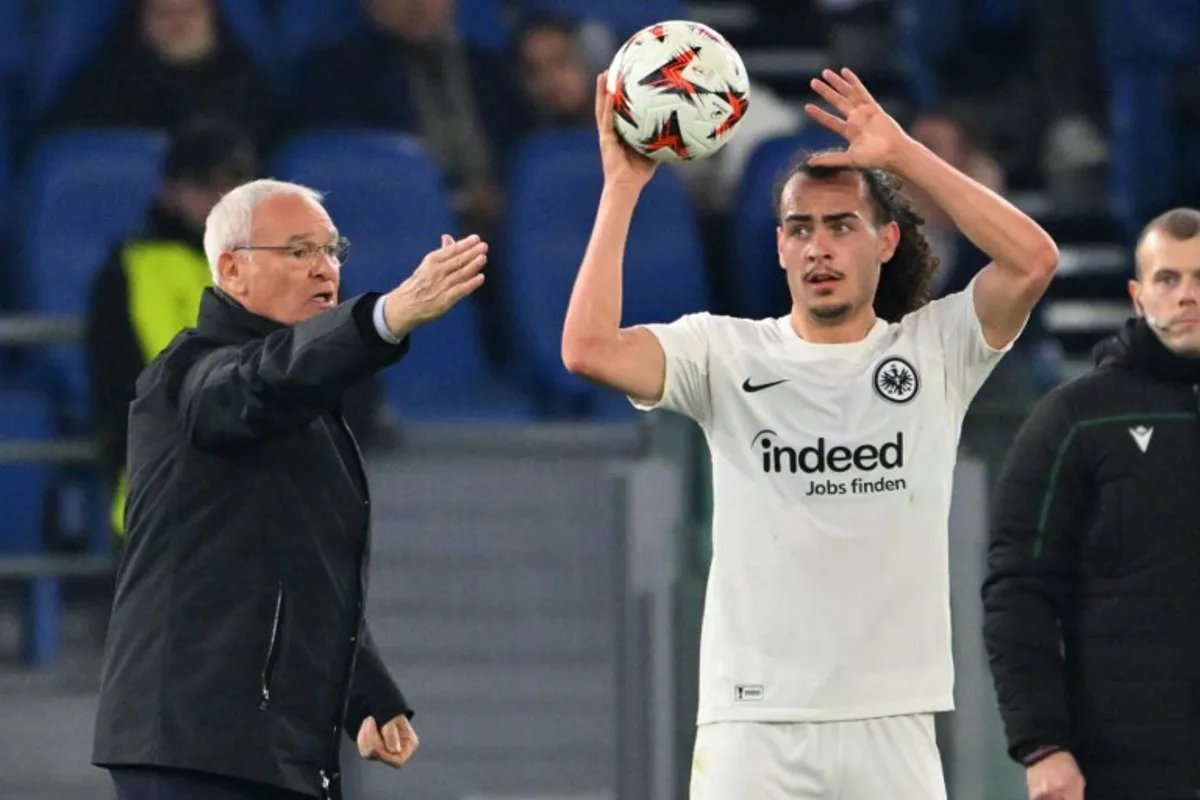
<point x="222" y="319"/>
<point x="1137" y="347"/>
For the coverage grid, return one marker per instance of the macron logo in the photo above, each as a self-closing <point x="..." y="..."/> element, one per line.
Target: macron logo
<point x="1141" y="436"/>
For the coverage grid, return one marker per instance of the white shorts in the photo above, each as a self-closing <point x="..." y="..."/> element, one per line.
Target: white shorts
<point x="889" y="758"/>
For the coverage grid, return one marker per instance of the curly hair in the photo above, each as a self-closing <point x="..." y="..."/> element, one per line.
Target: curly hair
<point x="905" y="283"/>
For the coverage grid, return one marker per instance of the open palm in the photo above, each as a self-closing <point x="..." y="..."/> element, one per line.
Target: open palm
<point x="873" y="138"/>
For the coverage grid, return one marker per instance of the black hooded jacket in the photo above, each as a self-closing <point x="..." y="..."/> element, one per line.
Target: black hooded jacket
<point x="237" y="644"/>
<point x="1092" y="599"/>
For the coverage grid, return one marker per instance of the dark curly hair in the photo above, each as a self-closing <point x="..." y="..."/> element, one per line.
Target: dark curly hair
<point x="905" y="283"/>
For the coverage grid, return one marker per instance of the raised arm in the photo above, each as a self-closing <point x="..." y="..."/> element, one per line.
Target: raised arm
<point x="236" y="395"/>
<point x="594" y="345"/>
<point x="1023" y="256"/>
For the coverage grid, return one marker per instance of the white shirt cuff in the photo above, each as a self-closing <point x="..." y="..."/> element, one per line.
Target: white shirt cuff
<point x="381" y="324"/>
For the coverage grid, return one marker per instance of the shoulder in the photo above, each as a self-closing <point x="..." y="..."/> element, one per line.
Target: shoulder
<point x="168" y="369"/>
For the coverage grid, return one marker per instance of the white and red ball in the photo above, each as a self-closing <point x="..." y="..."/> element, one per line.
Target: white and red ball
<point x="679" y="91"/>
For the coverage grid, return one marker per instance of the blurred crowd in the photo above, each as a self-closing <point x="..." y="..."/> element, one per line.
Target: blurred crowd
<point x="1010" y="92"/>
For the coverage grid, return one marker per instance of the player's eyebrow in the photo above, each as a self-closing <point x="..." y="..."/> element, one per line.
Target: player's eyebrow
<point x="826" y="218"/>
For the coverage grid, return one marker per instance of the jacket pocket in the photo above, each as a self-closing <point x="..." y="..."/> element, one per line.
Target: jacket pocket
<point x="272" y="656"/>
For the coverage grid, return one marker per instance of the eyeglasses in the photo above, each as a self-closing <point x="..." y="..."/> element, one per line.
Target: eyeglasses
<point x="307" y="252"/>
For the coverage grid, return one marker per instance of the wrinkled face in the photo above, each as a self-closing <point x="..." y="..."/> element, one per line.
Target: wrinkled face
<point x="298" y="279"/>
<point x="412" y="20"/>
<point x="1167" y="290"/>
<point x="180" y="31"/>
<point x="553" y="73"/>
<point x="830" y="246"/>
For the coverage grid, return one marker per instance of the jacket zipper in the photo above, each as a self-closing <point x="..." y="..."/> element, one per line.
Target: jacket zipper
<point x="272" y="650"/>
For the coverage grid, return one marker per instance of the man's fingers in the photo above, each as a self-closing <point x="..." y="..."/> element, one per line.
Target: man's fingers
<point x="391" y="738"/>
<point x="601" y="95"/>
<point x="840" y="85"/>
<point x="368" y="738"/>
<point x="447" y="240"/>
<point x="453" y="248"/>
<point x="461" y="290"/>
<point x="463" y="261"/>
<point x="826" y="119"/>
<point x="830" y="95"/>
<point x="858" y="87"/>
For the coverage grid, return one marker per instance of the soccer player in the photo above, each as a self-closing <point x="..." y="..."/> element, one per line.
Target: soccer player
<point x="833" y="433"/>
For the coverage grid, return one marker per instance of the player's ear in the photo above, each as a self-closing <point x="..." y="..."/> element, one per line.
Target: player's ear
<point x="779" y="245"/>
<point x="889" y="240"/>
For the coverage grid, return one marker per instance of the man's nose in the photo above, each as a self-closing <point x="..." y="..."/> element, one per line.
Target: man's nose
<point x="818" y="246"/>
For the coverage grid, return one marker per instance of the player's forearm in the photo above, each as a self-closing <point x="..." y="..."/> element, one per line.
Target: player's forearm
<point x="594" y="312"/>
<point x="1010" y="238"/>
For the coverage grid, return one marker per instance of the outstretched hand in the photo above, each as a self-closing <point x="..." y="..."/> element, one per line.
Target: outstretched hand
<point x="874" y="139"/>
<point x="622" y="164"/>
<point x="444" y="277"/>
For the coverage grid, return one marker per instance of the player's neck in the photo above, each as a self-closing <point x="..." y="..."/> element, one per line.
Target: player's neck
<point x="852" y="329"/>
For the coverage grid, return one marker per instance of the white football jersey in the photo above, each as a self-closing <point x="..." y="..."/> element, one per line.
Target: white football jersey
<point x="832" y="465"/>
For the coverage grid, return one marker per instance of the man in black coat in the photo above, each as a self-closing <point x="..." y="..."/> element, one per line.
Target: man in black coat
<point x="1092" y="600"/>
<point x="237" y="649"/>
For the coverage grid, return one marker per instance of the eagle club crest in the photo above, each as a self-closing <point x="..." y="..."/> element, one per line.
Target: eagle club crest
<point x="896" y="380"/>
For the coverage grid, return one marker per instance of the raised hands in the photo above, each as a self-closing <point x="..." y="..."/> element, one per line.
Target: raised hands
<point x="622" y="164"/>
<point x="444" y="277"/>
<point x="874" y="139"/>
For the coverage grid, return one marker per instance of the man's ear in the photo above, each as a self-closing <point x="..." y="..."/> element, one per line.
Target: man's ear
<point x="1135" y="295"/>
<point x="232" y="273"/>
<point x="889" y="240"/>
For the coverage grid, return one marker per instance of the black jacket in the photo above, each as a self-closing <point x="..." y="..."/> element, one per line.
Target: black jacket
<point x="237" y="644"/>
<point x="1092" y="600"/>
<point x="114" y="359"/>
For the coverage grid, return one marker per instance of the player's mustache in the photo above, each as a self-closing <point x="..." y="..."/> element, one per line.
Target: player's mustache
<point x="824" y="272"/>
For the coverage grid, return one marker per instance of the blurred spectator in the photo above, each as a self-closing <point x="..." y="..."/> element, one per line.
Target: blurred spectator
<point x="553" y="73"/>
<point x="150" y="288"/>
<point x="165" y="62"/>
<point x="410" y="72"/>
<point x="1038" y="355"/>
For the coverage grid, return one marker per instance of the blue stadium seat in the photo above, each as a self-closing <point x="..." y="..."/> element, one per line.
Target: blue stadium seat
<point x="25" y="416"/>
<point x="385" y="194"/>
<point x="86" y="190"/>
<point x="758" y="282"/>
<point x="13" y="41"/>
<point x="70" y="32"/>
<point x="623" y="16"/>
<point x="305" y="25"/>
<point x="556" y="183"/>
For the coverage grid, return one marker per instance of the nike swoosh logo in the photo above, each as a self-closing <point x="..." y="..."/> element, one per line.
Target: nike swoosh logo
<point x="749" y="387"/>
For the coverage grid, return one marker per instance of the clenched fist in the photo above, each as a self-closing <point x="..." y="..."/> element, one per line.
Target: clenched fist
<point x="1056" y="777"/>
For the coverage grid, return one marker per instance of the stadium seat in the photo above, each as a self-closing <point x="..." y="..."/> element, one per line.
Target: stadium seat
<point x="13" y="40"/>
<point x="385" y="194"/>
<point x="758" y="284"/>
<point x="69" y="32"/>
<point x="25" y="416"/>
<point x="86" y="190"/>
<point x="305" y="25"/>
<point x="556" y="183"/>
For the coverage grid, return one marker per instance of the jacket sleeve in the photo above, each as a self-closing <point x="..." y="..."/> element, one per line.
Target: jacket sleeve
<point x="233" y="396"/>
<point x="373" y="693"/>
<point x="1041" y="501"/>
<point x="114" y="361"/>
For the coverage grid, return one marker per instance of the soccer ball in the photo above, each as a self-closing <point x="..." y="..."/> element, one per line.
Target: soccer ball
<point x="679" y="91"/>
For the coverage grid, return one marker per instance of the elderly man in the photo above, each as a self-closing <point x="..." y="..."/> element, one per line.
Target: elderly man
<point x="237" y="649"/>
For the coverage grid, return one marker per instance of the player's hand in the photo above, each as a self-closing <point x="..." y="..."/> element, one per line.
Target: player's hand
<point x="393" y="745"/>
<point x="874" y="139"/>
<point x="622" y="164"/>
<point x="444" y="277"/>
<point x="1055" y="777"/>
